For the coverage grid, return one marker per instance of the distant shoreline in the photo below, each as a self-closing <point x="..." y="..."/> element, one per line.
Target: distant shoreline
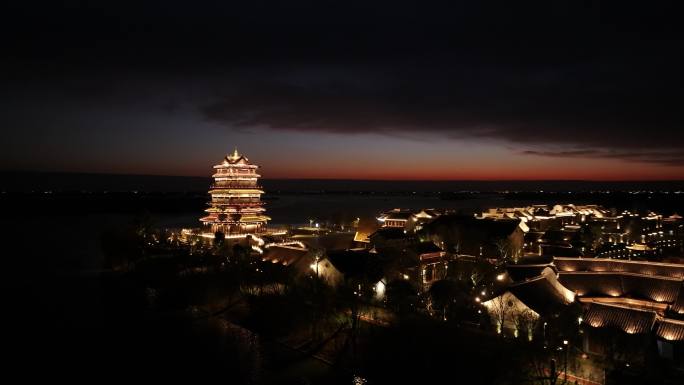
<point x="29" y="181"/>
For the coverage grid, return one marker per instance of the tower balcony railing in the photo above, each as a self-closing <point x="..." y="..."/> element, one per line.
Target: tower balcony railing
<point x="235" y="186"/>
<point x="237" y="203"/>
<point x="236" y="175"/>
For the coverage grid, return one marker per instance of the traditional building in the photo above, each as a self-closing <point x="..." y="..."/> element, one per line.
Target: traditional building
<point x="235" y="207"/>
<point x="640" y="299"/>
<point x="430" y="263"/>
<point x="365" y="227"/>
<point x="395" y="218"/>
<point x="488" y="237"/>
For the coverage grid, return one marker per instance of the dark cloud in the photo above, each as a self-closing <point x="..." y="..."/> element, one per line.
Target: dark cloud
<point x="604" y="101"/>
<point x="667" y="157"/>
<point x="599" y="76"/>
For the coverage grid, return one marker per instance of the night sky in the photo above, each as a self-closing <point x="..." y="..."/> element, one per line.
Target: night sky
<point x="343" y="89"/>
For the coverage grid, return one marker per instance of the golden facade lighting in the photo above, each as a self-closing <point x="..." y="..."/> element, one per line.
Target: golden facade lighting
<point x="235" y="207"/>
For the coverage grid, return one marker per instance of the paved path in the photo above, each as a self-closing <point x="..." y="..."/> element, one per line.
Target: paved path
<point x="572" y="379"/>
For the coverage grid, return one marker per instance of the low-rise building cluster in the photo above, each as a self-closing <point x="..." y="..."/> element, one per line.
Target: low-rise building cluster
<point x="613" y="272"/>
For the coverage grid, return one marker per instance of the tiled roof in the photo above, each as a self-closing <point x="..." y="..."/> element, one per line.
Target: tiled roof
<point x="615" y="265"/>
<point x="543" y="293"/>
<point x="488" y="228"/>
<point x="656" y="289"/>
<point x="608" y="284"/>
<point x="629" y="320"/>
<point x="633" y="321"/>
<point x="521" y="272"/>
<point x="432" y="212"/>
<point x="678" y="305"/>
<point x="425" y="248"/>
<point x="659" y="308"/>
<point x="366" y="227"/>
<point x="401" y="215"/>
<point x="669" y="329"/>
<point x="592" y="284"/>
<point x="389" y="233"/>
<point x="360" y="264"/>
<point x="285" y="255"/>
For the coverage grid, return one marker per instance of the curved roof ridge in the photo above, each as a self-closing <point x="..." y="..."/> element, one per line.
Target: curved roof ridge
<point x="627" y="273"/>
<point x="621" y="306"/>
<point x="619" y="261"/>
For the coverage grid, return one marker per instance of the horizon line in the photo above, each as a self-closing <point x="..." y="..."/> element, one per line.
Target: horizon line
<point x="350" y="179"/>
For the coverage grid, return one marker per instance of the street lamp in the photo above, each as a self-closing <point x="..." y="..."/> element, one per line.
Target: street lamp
<point x="314" y="266"/>
<point x="567" y="349"/>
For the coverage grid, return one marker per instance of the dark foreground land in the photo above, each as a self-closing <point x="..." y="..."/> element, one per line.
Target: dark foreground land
<point x="81" y="327"/>
<point x="147" y="325"/>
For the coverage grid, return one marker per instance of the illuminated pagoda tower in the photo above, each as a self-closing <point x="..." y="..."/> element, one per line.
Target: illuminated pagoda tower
<point x="235" y="206"/>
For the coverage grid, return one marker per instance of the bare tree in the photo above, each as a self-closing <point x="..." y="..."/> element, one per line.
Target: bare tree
<point x="500" y="309"/>
<point x="507" y="250"/>
<point x="525" y="322"/>
<point x="481" y="271"/>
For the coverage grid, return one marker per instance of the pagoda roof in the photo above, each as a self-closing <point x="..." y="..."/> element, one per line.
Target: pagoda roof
<point x="250" y="217"/>
<point x="235" y="190"/>
<point x="235" y="159"/>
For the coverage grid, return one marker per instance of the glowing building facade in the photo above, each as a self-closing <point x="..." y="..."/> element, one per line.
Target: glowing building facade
<point x="235" y="207"/>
